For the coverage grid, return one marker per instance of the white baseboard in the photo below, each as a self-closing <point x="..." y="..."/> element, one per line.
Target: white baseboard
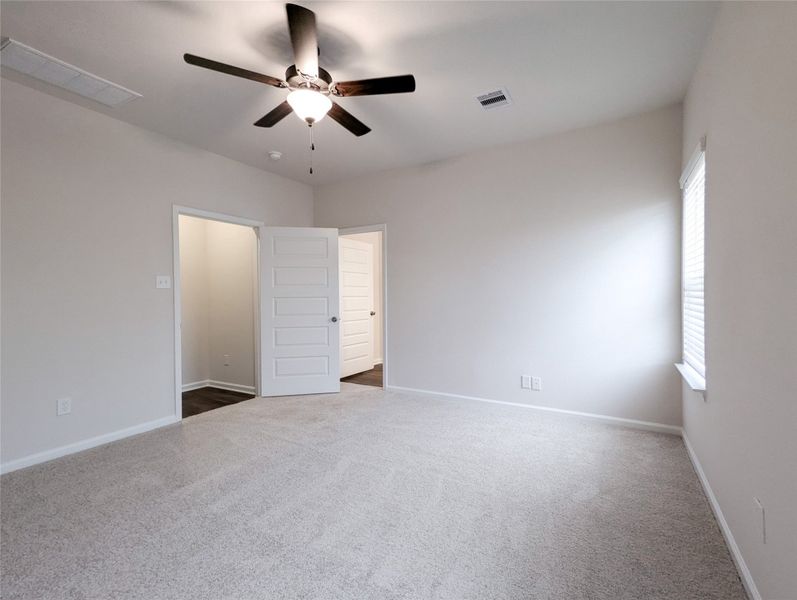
<point x="196" y="385"/>
<point x="222" y="385"/>
<point x="40" y="457"/>
<point x="233" y="387"/>
<point x="736" y="554"/>
<point x="378" y="361"/>
<point x="646" y="425"/>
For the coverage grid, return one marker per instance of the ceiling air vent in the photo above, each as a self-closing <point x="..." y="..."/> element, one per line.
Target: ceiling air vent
<point x="31" y="62"/>
<point x="490" y="100"/>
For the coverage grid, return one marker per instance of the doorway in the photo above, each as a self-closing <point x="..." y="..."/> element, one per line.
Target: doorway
<point x="362" y="287"/>
<point x="217" y="329"/>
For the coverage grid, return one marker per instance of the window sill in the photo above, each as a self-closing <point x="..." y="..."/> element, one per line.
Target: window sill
<point x="692" y="377"/>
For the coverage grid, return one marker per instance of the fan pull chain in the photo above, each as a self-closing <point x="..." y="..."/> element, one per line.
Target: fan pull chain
<point x="312" y="148"/>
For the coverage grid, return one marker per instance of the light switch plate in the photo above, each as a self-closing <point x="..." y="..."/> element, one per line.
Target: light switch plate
<point x="525" y="382"/>
<point x="163" y="282"/>
<point x="63" y="406"/>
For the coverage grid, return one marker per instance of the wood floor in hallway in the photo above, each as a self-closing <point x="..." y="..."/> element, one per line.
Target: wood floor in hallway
<point x="372" y="377"/>
<point x="209" y="398"/>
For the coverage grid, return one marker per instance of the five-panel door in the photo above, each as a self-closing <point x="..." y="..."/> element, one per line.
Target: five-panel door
<point x="300" y="329"/>
<point x="357" y="300"/>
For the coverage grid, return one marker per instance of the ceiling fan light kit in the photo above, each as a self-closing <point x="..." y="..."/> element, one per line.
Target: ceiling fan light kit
<point x="309" y="105"/>
<point x="311" y="86"/>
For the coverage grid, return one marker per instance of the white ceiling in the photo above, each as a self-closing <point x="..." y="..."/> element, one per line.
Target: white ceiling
<point x="566" y="65"/>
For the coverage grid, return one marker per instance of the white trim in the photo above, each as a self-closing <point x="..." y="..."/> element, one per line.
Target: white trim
<point x="382" y="227"/>
<point x="693" y="160"/>
<point x="222" y="385"/>
<point x="633" y="423"/>
<point x="232" y="387"/>
<point x="195" y="385"/>
<point x="736" y="553"/>
<point x="178" y="210"/>
<point x="693" y="379"/>
<point x="214" y="216"/>
<point x="47" y="455"/>
<point x="256" y="291"/>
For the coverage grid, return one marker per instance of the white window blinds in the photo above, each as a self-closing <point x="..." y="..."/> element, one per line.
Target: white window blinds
<point x="694" y="322"/>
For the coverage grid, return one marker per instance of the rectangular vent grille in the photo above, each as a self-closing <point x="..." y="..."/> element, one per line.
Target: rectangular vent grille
<point x="495" y="99"/>
<point x="31" y="62"/>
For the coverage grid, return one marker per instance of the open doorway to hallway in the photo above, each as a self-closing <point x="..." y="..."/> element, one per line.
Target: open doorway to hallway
<point x="218" y="299"/>
<point x="361" y="307"/>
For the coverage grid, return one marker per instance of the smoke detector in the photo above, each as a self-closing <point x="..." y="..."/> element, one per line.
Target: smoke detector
<point x="275" y="155"/>
<point x="494" y="99"/>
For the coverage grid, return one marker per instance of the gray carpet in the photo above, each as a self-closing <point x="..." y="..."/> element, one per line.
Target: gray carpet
<point x="367" y="494"/>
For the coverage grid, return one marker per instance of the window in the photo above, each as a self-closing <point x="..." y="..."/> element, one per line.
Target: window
<point x="693" y="253"/>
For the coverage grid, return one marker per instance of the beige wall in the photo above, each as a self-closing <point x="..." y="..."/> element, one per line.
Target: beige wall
<point x="232" y="262"/>
<point x="194" y="295"/>
<point x="217" y="277"/>
<point x="374" y="238"/>
<point x="743" y="97"/>
<point x="86" y="226"/>
<point x="557" y="258"/>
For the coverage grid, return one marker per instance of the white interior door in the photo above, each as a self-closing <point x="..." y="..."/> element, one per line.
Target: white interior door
<point x="356" y="303"/>
<point x="300" y="347"/>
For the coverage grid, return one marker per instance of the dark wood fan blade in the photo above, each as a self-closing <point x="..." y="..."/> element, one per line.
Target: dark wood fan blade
<point x="399" y="84"/>
<point x="304" y="39"/>
<point x="348" y="120"/>
<point x="230" y="70"/>
<point x="275" y="116"/>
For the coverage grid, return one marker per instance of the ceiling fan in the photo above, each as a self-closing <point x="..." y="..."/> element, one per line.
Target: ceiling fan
<point x="311" y="86"/>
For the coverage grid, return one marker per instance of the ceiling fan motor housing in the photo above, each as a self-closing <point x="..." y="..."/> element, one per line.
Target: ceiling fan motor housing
<point x="296" y="80"/>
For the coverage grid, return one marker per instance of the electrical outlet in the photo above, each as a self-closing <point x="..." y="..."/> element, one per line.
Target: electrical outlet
<point x="163" y="282"/>
<point x="525" y="382"/>
<point x="63" y="406"/>
<point x="536" y="384"/>
<point x="763" y="519"/>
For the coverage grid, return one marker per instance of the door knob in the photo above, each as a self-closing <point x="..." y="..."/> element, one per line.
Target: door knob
<point x="372" y="313"/>
<point x="334" y="319"/>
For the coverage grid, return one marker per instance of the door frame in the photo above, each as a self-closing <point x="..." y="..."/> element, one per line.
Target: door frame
<point x="178" y="210"/>
<point x="379" y="227"/>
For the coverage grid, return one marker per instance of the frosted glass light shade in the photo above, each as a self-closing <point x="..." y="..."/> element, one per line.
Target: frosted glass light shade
<point x="309" y="105"/>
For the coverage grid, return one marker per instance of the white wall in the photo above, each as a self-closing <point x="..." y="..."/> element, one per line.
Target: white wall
<point x="557" y="257"/>
<point x="194" y="295"/>
<point x="86" y="225"/>
<point x="232" y="263"/>
<point x="218" y="274"/>
<point x="743" y="97"/>
<point x="374" y="238"/>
